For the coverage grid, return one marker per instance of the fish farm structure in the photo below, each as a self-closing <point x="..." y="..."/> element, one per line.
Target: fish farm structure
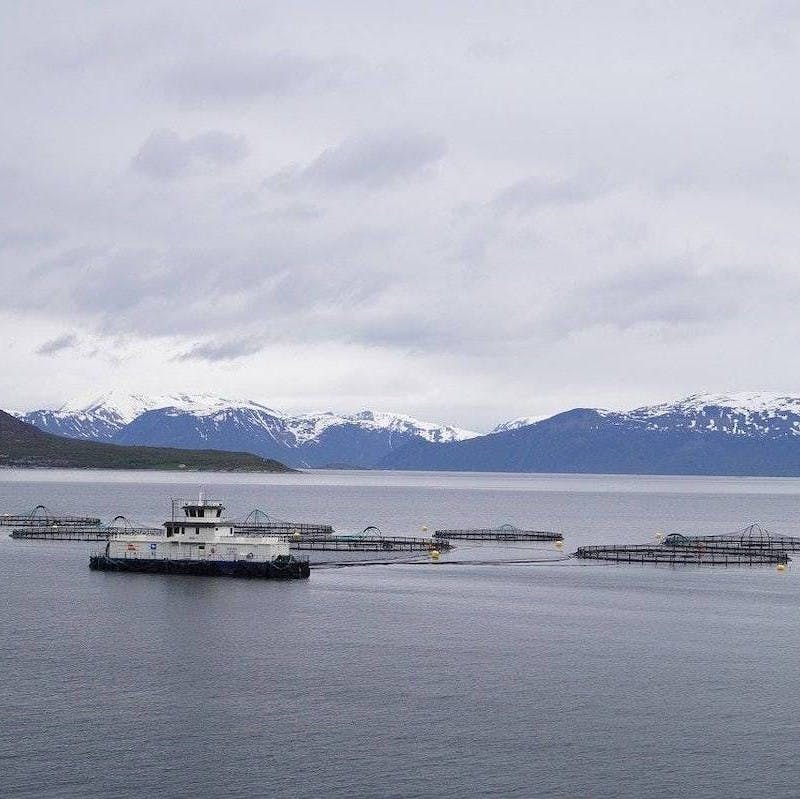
<point x="84" y="532"/>
<point x="753" y="536"/>
<point x="677" y="555"/>
<point x="370" y="539"/>
<point x="505" y="532"/>
<point x="42" y="516"/>
<point x="258" y="522"/>
<point x="371" y="544"/>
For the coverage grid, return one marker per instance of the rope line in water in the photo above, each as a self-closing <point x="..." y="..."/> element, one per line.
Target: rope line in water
<point x="418" y="562"/>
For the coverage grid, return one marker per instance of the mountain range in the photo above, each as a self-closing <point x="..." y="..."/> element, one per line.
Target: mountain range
<point x="736" y="434"/>
<point x="207" y="421"/>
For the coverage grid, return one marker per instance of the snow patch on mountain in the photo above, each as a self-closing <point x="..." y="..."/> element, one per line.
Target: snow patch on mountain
<point x="742" y="414"/>
<point x="766" y="403"/>
<point x="310" y="426"/>
<point x="514" y="424"/>
<point x="127" y="407"/>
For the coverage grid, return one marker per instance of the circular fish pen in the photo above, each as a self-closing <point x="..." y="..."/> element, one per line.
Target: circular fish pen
<point x="42" y="516"/>
<point x="680" y="555"/>
<point x="754" y="536"/>
<point x="506" y="532"/>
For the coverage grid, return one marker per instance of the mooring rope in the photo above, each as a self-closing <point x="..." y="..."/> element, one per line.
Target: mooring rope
<point x="420" y="562"/>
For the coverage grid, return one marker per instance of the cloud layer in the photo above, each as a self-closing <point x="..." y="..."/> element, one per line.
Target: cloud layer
<point x="470" y="217"/>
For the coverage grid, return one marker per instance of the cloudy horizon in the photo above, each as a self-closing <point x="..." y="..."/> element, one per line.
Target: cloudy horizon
<point x="467" y="212"/>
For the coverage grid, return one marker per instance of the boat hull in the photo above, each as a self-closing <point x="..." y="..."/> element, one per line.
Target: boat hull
<point x="278" y="569"/>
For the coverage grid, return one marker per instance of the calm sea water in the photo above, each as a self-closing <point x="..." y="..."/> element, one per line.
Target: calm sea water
<point x="557" y="680"/>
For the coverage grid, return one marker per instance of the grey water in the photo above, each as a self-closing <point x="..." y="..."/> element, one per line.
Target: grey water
<point x="560" y="679"/>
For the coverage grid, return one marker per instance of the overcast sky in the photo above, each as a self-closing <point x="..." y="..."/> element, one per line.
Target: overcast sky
<point x="464" y="211"/>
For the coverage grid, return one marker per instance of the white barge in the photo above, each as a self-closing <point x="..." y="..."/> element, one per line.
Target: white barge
<point x="201" y="542"/>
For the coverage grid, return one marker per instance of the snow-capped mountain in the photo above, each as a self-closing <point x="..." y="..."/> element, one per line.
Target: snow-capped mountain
<point x="101" y="418"/>
<point x="751" y="414"/>
<point x="743" y="414"/>
<point x="736" y="434"/>
<point x="203" y="421"/>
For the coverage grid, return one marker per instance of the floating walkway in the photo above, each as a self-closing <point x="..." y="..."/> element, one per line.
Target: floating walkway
<point x="42" y="516"/>
<point x="675" y="555"/>
<point x="505" y="532"/>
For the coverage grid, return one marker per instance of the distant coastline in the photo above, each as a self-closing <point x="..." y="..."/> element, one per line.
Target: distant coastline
<point x="23" y="446"/>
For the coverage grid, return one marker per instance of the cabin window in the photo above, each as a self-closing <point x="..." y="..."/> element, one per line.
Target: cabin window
<point x="219" y="512"/>
<point x="169" y="531"/>
<point x="197" y="531"/>
<point x="200" y="512"/>
<point x="201" y="546"/>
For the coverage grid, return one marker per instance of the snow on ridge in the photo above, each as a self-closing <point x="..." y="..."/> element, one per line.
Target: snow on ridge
<point x="402" y="422"/>
<point x="120" y="408"/>
<point x="514" y="424"/>
<point x="741" y="403"/>
<point x="308" y="426"/>
<point x="126" y="407"/>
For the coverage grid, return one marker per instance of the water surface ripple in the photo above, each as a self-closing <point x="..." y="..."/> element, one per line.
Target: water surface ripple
<point x="565" y="680"/>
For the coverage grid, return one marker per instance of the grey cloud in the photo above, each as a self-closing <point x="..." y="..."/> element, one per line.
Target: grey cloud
<point x="673" y="294"/>
<point x="774" y="23"/>
<point x="165" y="155"/>
<point x="372" y="161"/>
<point x="65" y="342"/>
<point x="221" y="351"/>
<point x="27" y="238"/>
<point x="297" y="212"/>
<point x="496" y="49"/>
<point x="236" y="76"/>
<point x="535" y="192"/>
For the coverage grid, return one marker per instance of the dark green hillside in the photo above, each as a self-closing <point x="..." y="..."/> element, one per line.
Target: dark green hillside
<point x="24" y="445"/>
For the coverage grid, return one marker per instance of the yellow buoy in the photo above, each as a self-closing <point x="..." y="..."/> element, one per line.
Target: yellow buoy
<point x="659" y="537"/>
<point x="434" y="553"/>
<point x="781" y="567"/>
<point x="295" y="534"/>
<point x="424" y="528"/>
<point x="559" y="545"/>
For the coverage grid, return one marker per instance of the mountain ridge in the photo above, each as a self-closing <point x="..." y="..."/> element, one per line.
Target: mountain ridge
<point x="202" y="420"/>
<point x="742" y="433"/>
